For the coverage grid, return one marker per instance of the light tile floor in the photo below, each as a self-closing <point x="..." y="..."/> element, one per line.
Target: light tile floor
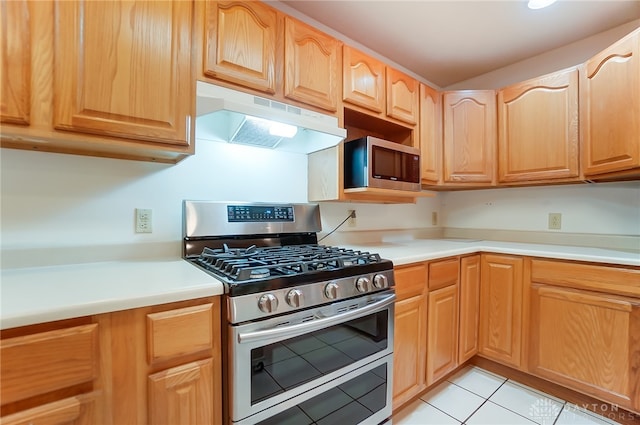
<point x="475" y="396"/>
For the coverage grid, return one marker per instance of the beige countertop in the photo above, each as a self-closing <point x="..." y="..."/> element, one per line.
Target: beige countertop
<point x="41" y="294"/>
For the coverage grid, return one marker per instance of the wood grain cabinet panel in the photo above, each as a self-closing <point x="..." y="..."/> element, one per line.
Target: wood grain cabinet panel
<point x="44" y="362"/>
<point x="430" y="135"/>
<point x="176" y="333"/>
<point x="78" y="410"/>
<point x="587" y="341"/>
<point x="15" y="62"/>
<point x="403" y="96"/>
<point x="311" y="71"/>
<point x="610" y="108"/>
<point x="123" y="68"/>
<point x="363" y="80"/>
<point x="182" y="395"/>
<point x="538" y="129"/>
<point x="469" y="132"/>
<point x="409" y="349"/>
<point x="442" y="333"/>
<point x="501" y="290"/>
<point x="469" y="307"/>
<point x="410" y="321"/>
<point x="241" y="39"/>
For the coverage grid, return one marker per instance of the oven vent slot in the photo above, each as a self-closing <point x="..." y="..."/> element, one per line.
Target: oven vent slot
<point x="282" y="324"/>
<point x="343" y="309"/>
<point x="353" y="307"/>
<point x="307" y="319"/>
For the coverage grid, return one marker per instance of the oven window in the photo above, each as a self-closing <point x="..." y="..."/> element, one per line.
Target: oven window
<point x="278" y="367"/>
<point x="346" y="404"/>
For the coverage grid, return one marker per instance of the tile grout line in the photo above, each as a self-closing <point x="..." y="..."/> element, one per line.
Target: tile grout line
<point x="442" y="411"/>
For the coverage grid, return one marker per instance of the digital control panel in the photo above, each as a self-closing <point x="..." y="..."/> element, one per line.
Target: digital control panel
<point x="252" y="213"/>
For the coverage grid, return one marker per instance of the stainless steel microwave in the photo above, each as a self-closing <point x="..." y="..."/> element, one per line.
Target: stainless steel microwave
<point x="373" y="162"/>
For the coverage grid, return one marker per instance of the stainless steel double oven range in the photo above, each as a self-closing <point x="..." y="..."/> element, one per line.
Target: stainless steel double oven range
<point x="309" y="328"/>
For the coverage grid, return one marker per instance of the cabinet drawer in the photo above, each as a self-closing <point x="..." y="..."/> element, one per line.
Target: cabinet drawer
<point x="616" y="280"/>
<point x="77" y="410"/>
<point x="48" y="361"/>
<point x="179" y="332"/>
<point x="443" y="273"/>
<point x="410" y="280"/>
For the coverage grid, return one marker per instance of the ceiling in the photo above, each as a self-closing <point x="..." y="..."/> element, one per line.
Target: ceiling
<point x="446" y="42"/>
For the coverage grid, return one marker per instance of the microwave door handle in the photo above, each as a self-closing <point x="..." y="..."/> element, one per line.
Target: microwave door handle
<point x="293" y="330"/>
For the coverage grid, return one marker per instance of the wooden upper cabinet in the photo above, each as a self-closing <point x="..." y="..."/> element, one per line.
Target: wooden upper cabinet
<point x="241" y="44"/>
<point x="610" y="108"/>
<point x="430" y="135"/>
<point x="469" y="136"/>
<point x="538" y="129"/>
<point x="363" y="80"/>
<point x="403" y="95"/>
<point x="15" y="62"/>
<point x="124" y="69"/>
<point x="311" y="71"/>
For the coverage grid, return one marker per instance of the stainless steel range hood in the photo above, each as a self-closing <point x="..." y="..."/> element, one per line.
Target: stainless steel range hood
<point x="225" y="115"/>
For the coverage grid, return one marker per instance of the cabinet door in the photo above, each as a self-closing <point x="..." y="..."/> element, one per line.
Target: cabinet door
<point x="123" y="68"/>
<point x="409" y="349"/>
<point x="182" y="395"/>
<point x="610" y="108"/>
<point x="403" y="96"/>
<point x="311" y="66"/>
<point x="469" y="307"/>
<point x="501" y="308"/>
<point x="363" y="80"/>
<point x="15" y="62"/>
<point x="442" y="333"/>
<point x="430" y="135"/>
<point x="241" y="44"/>
<point x="78" y="410"/>
<point x="587" y="341"/>
<point x="469" y="136"/>
<point x="538" y="129"/>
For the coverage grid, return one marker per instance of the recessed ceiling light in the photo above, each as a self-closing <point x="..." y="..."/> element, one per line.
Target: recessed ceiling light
<point x="539" y="4"/>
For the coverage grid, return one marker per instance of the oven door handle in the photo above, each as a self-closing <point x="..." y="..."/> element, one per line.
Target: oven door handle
<point x="314" y="325"/>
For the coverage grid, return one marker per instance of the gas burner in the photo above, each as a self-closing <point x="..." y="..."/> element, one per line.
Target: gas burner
<point x="259" y="273"/>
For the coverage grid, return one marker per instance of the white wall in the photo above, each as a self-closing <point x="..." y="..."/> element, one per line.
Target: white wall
<point x="605" y="208"/>
<point x="564" y="57"/>
<point x="67" y="200"/>
<point x="57" y="200"/>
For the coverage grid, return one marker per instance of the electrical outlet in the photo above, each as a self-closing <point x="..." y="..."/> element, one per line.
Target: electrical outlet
<point x="352" y="218"/>
<point x="144" y="217"/>
<point x="434" y="218"/>
<point x="555" y="221"/>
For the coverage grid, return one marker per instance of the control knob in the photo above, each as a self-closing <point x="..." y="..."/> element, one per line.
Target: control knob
<point x="380" y="281"/>
<point x="268" y="303"/>
<point x="294" y="298"/>
<point x="363" y="284"/>
<point x="331" y="290"/>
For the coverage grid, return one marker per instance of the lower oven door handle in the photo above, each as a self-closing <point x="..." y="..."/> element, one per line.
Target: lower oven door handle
<point x="314" y="325"/>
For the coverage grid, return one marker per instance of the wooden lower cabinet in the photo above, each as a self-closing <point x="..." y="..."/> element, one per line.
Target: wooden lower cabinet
<point x="151" y="365"/>
<point x="587" y="340"/>
<point x="50" y="374"/>
<point x="164" y="364"/>
<point x="442" y="333"/>
<point x="182" y="395"/>
<point x="78" y="410"/>
<point x="409" y="345"/>
<point x="501" y="308"/>
<point x="469" y="307"/>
